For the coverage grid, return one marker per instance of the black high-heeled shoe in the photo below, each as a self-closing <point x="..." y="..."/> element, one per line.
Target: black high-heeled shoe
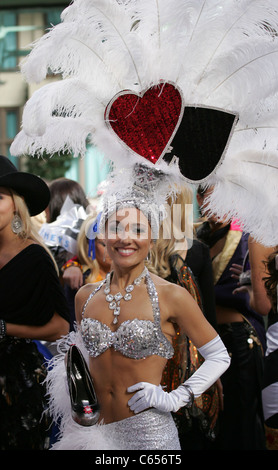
<point x="84" y="405"/>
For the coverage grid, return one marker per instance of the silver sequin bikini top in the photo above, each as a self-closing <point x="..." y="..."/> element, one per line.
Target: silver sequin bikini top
<point x="136" y="339"/>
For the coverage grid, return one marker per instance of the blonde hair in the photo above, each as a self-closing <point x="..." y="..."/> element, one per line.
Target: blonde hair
<point x="29" y="231"/>
<point x="164" y="248"/>
<point x="82" y="250"/>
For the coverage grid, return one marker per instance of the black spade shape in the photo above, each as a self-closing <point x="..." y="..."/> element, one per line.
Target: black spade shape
<point x="201" y="141"/>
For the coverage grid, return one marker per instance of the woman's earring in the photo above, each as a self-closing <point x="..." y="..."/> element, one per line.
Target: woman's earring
<point x="17" y="224"/>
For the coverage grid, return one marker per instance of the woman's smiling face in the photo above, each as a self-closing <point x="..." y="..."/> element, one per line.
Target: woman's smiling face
<point x="128" y="237"/>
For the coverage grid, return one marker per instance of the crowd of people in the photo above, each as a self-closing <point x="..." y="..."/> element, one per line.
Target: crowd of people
<point x="188" y="345"/>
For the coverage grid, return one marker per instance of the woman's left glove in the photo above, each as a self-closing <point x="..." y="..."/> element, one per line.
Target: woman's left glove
<point x="153" y="396"/>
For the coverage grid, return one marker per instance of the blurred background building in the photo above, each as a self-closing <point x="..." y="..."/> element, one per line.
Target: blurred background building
<point x="21" y="23"/>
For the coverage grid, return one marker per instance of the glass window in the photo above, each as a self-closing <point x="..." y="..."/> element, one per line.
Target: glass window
<point x="9" y="123"/>
<point x="8" y="40"/>
<point x="53" y="17"/>
<point x="9" y="30"/>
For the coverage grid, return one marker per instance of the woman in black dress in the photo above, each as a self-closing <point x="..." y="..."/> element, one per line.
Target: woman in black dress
<point x="32" y="307"/>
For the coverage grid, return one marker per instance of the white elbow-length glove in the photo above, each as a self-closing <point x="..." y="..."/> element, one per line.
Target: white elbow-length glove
<point x="149" y="395"/>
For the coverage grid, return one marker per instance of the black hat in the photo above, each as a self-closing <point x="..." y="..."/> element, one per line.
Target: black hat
<point x="34" y="190"/>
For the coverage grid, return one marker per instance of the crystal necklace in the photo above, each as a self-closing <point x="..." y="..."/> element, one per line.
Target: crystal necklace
<point x="114" y="300"/>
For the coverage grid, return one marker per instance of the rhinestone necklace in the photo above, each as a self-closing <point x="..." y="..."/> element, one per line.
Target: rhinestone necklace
<point x="114" y="300"/>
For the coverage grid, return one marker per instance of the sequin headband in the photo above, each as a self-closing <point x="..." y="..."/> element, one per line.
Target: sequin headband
<point x="146" y="193"/>
<point x="136" y="198"/>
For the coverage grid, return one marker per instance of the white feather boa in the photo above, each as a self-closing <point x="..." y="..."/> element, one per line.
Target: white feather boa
<point x="71" y="436"/>
<point x="246" y="189"/>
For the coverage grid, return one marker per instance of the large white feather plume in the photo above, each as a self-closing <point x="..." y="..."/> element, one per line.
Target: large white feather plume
<point x="219" y="53"/>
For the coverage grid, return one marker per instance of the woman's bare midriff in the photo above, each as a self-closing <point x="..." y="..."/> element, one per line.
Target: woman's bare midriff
<point x="227" y="315"/>
<point x="113" y="373"/>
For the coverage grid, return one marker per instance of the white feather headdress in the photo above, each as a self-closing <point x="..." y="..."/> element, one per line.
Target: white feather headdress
<point x="219" y="54"/>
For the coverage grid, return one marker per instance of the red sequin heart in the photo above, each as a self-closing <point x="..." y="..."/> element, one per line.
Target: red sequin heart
<point x="146" y="123"/>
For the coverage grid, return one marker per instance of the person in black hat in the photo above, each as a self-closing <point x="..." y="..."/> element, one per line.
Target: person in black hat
<point x="32" y="307"/>
<point x="32" y="188"/>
